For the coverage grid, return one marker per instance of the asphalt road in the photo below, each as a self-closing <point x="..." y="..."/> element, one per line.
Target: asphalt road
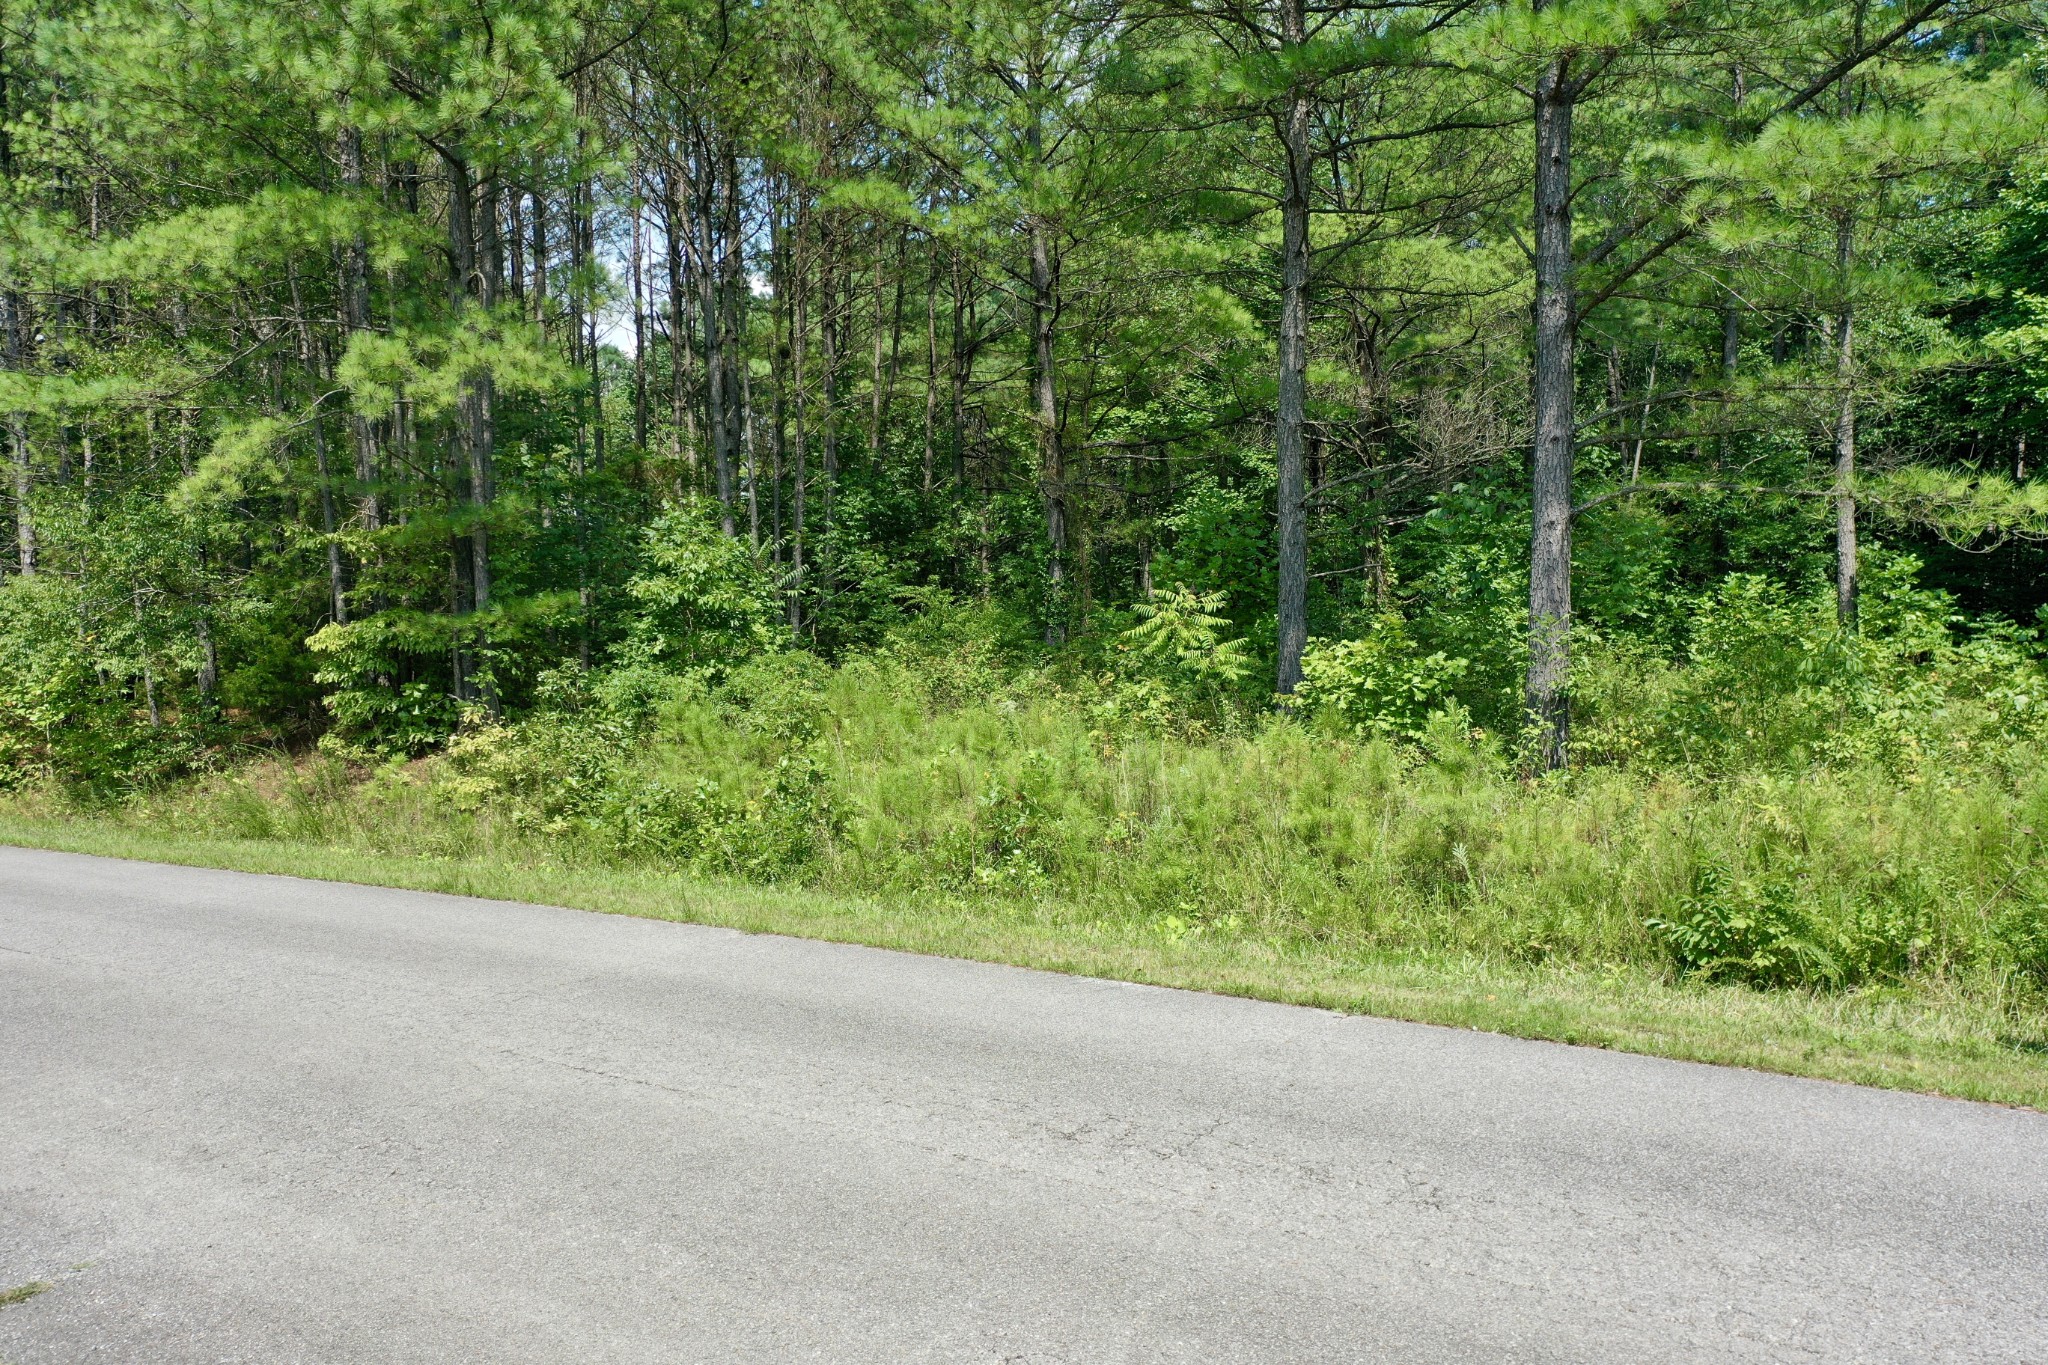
<point x="258" y="1119"/>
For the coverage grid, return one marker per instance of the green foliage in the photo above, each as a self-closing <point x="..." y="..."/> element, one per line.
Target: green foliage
<point x="1380" y="685"/>
<point x="987" y="780"/>
<point x="1771" y="681"/>
<point x="700" y="598"/>
<point x="1221" y="544"/>
<point x="1178" y="634"/>
<point x="1748" y="930"/>
<point x="2021" y="936"/>
<point x="86" y="692"/>
<point x="373" y="713"/>
<point x="597" y="771"/>
<point x="1470" y="592"/>
<point x="847" y="572"/>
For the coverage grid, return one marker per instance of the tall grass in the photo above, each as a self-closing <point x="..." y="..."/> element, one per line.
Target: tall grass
<point x="1844" y="831"/>
<point x="966" y="785"/>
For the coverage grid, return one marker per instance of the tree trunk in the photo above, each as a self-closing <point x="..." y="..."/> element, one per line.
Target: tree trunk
<point x="209" y="657"/>
<point x="733" y="299"/>
<point x="1731" y="357"/>
<point x="1289" y="446"/>
<point x="515" y="245"/>
<point x="894" y="368"/>
<point x="1550" y="541"/>
<point x="586" y="231"/>
<point x="961" y="360"/>
<point x="931" y="373"/>
<point x="537" y="296"/>
<point x="1845" y="431"/>
<point x="11" y="330"/>
<point x="799" y="486"/>
<point x="312" y="357"/>
<point x="876" y="397"/>
<point x="24" y="512"/>
<point x="1052" y="472"/>
<point x="337" y="587"/>
<point x="828" y="405"/>
<point x="639" y="313"/>
<point x="680" y="347"/>
<point x="18" y="445"/>
<point x="355" y="303"/>
<point x="753" y="464"/>
<point x="709" y="317"/>
<point x="473" y="421"/>
<point x="778" y="361"/>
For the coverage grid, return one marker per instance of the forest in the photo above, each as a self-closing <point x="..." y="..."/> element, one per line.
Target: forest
<point x="1526" y="487"/>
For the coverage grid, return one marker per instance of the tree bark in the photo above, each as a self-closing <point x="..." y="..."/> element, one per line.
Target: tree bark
<point x="828" y="404"/>
<point x="1052" y="471"/>
<point x="18" y="445"/>
<point x="753" y="464"/>
<point x="710" y="320"/>
<point x="875" y="395"/>
<point x="1731" y="358"/>
<point x="931" y="374"/>
<point x="586" y="231"/>
<point x="515" y="244"/>
<point x="355" y="303"/>
<point x="778" y="361"/>
<point x="337" y="583"/>
<point x="733" y="300"/>
<point x="209" y="657"/>
<point x="1290" y="416"/>
<point x="680" y="347"/>
<point x="1845" y="430"/>
<point x="473" y="422"/>
<point x="1550" y="540"/>
<point x="639" y="312"/>
<point x="537" y="296"/>
<point x="11" y="330"/>
<point x="962" y="359"/>
<point x="24" y="482"/>
<point x="799" y="486"/>
<point x="313" y="358"/>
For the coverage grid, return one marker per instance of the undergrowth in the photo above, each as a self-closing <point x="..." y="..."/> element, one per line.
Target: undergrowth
<point x="974" y="784"/>
<point x="1780" y="808"/>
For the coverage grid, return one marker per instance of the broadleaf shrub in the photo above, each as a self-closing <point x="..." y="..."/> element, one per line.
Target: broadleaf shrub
<point x="1379" y="685"/>
<point x="1755" y="930"/>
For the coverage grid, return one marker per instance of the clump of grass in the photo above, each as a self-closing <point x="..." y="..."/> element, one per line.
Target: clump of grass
<point x="22" y="1293"/>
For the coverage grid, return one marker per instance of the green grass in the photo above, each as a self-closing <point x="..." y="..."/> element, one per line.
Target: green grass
<point x="1925" y="1037"/>
<point x="21" y="1293"/>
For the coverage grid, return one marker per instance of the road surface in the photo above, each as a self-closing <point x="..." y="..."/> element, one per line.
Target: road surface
<point x="259" y="1119"/>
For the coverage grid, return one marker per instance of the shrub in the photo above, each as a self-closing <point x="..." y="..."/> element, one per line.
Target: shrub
<point x="1380" y="685"/>
<point x="84" y="696"/>
<point x="1753" y="930"/>
<point x="700" y="598"/>
<point x="2020" y="936"/>
<point x="1219" y="541"/>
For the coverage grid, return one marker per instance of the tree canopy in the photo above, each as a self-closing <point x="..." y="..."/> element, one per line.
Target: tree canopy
<point x="365" y="364"/>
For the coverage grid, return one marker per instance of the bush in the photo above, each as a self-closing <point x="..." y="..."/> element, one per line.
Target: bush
<point x="700" y="598"/>
<point x="1770" y="682"/>
<point x="1378" y="686"/>
<point x="87" y="697"/>
<point x="2020" y="936"/>
<point x="1753" y="930"/>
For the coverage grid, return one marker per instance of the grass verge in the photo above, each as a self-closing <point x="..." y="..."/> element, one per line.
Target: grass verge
<point x="1895" y="1039"/>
